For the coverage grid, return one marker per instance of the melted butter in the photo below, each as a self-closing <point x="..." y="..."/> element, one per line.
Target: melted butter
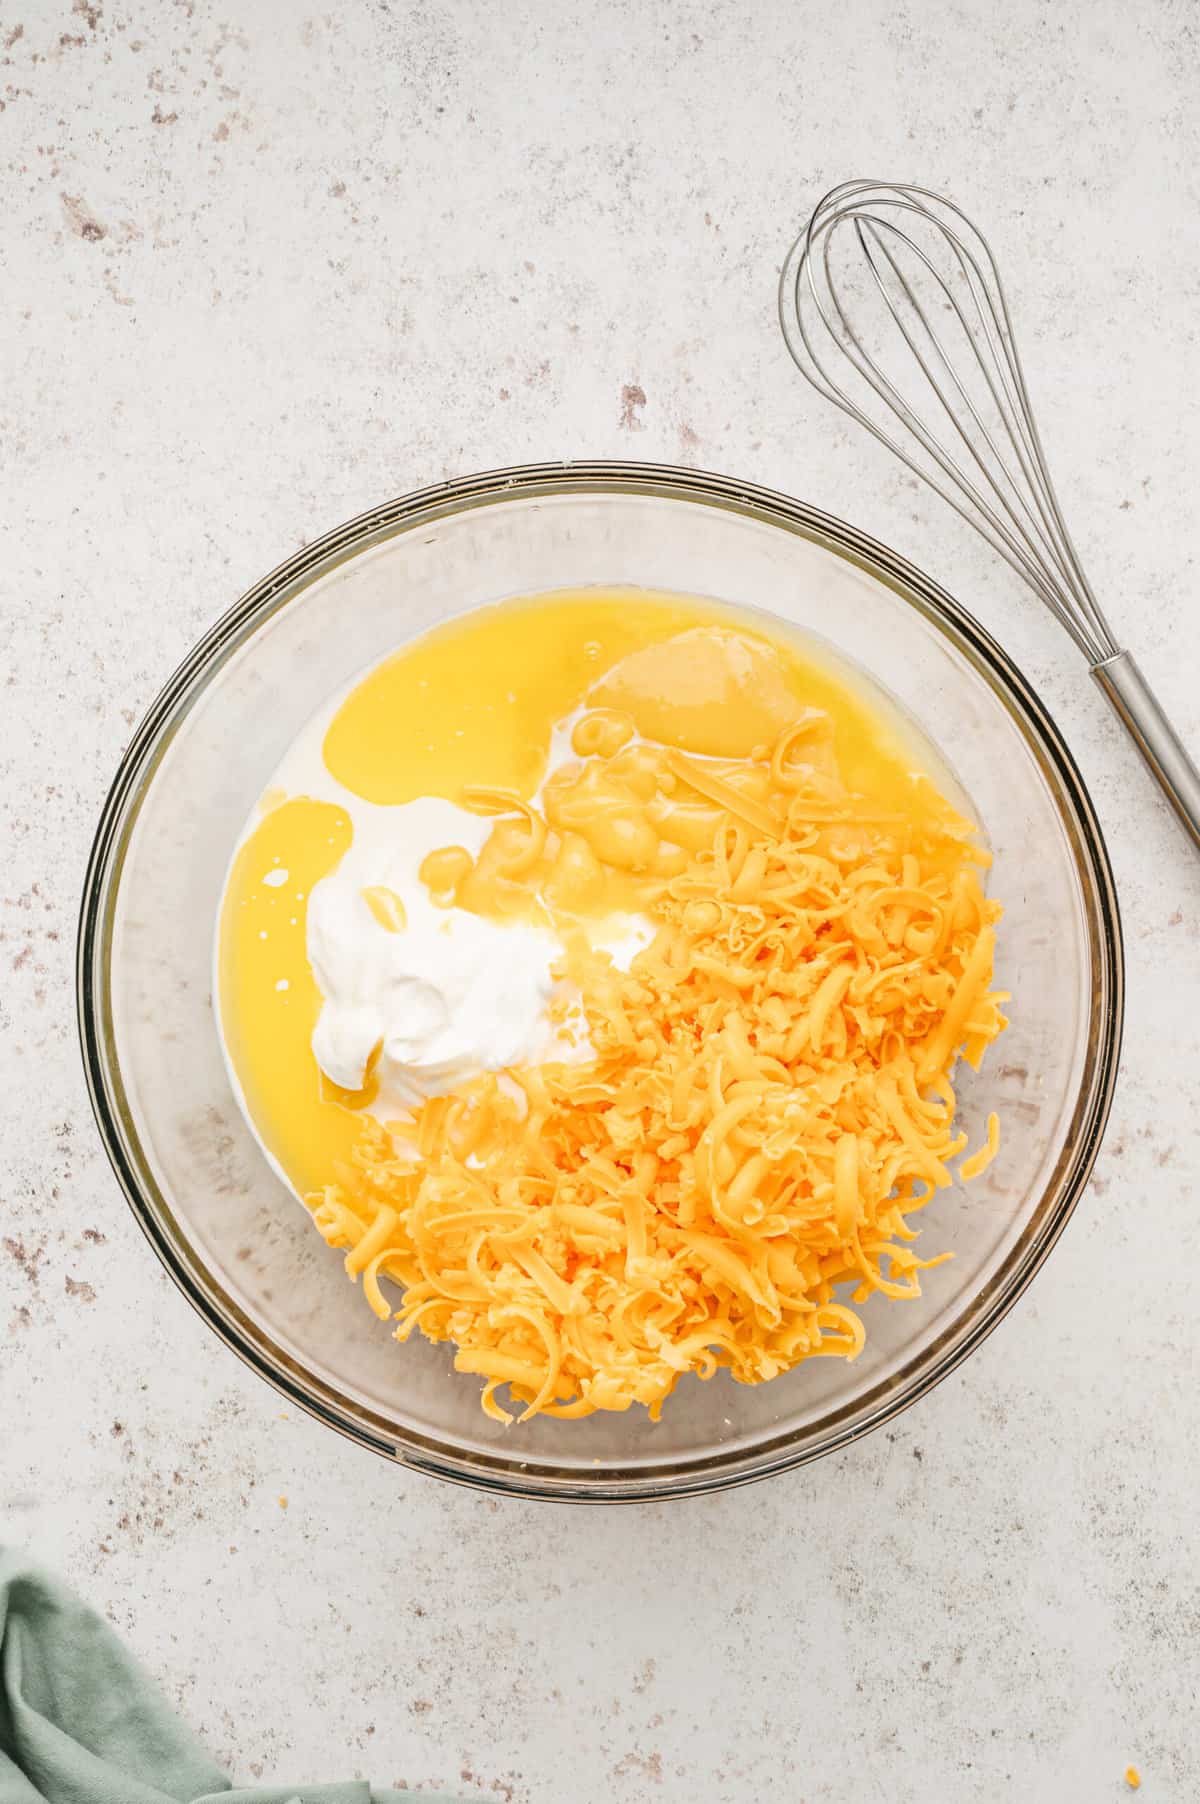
<point x="615" y="827"/>
<point x="475" y="703"/>
<point x="269" y="999"/>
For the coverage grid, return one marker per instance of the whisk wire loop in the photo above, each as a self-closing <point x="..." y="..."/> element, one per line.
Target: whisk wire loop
<point x="1018" y="513"/>
<point x="1009" y="498"/>
<point x="996" y="377"/>
<point x="981" y="451"/>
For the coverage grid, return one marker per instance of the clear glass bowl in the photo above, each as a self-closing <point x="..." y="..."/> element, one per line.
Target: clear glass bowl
<point x="237" y="1243"/>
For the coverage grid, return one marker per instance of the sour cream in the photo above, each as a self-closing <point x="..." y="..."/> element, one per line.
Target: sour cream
<point x="446" y="997"/>
<point x="423" y="1007"/>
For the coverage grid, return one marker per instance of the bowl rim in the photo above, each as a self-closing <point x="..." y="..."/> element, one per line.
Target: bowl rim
<point x="538" y="1478"/>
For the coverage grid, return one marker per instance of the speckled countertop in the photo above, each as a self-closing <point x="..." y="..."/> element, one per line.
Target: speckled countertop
<point x="267" y="265"/>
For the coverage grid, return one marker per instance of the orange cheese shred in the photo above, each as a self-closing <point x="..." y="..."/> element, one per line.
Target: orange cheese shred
<point x="730" y="1174"/>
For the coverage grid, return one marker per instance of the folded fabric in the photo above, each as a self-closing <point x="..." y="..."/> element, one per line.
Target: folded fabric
<point x="80" y="1722"/>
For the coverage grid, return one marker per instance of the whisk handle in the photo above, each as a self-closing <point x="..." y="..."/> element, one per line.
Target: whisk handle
<point x="1139" y="710"/>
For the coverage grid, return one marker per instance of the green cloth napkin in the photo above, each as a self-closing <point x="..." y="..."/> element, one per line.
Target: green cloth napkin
<point x="80" y="1723"/>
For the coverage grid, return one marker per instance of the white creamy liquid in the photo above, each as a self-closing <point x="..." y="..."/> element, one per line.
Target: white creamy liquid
<point x="451" y="995"/>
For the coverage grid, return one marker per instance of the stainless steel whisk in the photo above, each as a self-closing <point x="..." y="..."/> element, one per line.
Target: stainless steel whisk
<point x="932" y="279"/>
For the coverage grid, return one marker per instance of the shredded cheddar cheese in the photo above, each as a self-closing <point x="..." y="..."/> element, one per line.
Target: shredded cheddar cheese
<point x="770" y="1099"/>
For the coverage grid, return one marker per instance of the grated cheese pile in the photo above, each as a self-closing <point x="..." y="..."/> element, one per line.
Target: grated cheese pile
<point x="770" y="1101"/>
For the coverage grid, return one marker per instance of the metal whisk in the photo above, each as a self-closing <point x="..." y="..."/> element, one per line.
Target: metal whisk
<point x="941" y="330"/>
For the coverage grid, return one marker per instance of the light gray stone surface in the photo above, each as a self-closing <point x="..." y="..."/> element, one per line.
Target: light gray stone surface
<point x="266" y="265"/>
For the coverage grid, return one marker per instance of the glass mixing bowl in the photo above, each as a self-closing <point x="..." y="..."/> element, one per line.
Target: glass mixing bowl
<point x="240" y="1247"/>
